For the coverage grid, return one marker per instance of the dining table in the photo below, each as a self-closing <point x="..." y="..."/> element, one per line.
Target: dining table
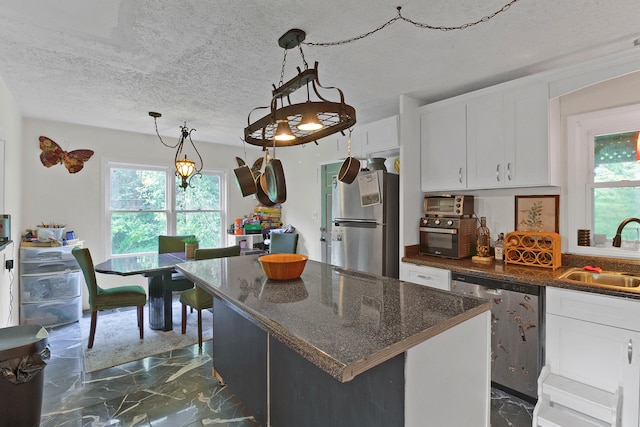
<point x="158" y="268"/>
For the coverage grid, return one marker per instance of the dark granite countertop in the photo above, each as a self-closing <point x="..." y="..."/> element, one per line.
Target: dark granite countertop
<point x="533" y="275"/>
<point x="342" y="321"/>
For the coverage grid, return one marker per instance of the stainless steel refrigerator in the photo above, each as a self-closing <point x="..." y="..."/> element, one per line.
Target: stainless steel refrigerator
<point x="365" y="229"/>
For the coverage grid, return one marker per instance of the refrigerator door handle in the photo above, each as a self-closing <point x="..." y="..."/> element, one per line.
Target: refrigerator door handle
<point x="357" y="222"/>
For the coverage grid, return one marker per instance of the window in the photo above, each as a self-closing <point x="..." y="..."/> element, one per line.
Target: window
<point x="604" y="174"/>
<point x="615" y="183"/>
<point x="144" y="202"/>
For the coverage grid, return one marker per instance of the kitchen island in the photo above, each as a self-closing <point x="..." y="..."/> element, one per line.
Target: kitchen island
<point x="343" y="348"/>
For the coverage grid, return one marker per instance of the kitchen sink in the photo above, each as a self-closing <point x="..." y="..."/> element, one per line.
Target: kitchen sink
<point x="607" y="278"/>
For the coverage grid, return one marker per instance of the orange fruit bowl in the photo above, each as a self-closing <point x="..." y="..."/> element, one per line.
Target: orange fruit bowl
<point x="283" y="266"/>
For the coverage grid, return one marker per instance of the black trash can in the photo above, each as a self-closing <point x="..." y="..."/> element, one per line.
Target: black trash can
<point x="24" y="352"/>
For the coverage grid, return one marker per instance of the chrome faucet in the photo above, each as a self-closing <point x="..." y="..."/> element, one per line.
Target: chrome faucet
<point x="617" y="240"/>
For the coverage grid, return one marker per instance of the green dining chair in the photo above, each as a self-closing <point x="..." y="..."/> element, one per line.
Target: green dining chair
<point x="283" y="243"/>
<point x="107" y="299"/>
<point x="169" y="244"/>
<point x="197" y="298"/>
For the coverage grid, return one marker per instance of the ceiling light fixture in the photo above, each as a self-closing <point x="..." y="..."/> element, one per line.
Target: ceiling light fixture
<point x="185" y="169"/>
<point x="283" y="131"/>
<point x="295" y="123"/>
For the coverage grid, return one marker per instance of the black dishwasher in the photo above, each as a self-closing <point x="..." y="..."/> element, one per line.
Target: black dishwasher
<point x="516" y="332"/>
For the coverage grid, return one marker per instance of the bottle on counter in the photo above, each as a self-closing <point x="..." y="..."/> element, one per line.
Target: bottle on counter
<point x="498" y="248"/>
<point x="483" y="245"/>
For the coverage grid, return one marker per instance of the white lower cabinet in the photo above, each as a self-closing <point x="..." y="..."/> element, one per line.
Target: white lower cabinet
<point x="50" y="286"/>
<point x="427" y="276"/>
<point x="592" y="360"/>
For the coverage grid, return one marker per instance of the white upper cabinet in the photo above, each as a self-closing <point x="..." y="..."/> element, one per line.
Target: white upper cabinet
<point x="486" y="142"/>
<point x="375" y="137"/>
<point x="500" y="138"/>
<point x="356" y="143"/>
<point x="529" y="149"/>
<point x="443" y="139"/>
<point x="380" y="135"/>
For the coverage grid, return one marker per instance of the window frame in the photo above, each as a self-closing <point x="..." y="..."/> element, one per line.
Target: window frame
<point x="581" y="129"/>
<point x="170" y="210"/>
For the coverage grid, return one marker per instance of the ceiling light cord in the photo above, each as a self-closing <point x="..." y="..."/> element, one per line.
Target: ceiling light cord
<point x="158" y="133"/>
<point x="415" y="23"/>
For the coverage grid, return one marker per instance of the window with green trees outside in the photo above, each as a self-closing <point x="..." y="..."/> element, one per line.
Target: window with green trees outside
<point x="145" y="202"/>
<point x="616" y="183"/>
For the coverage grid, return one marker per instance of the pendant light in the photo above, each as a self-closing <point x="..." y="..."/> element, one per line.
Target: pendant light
<point x="185" y="169"/>
<point x="283" y="131"/>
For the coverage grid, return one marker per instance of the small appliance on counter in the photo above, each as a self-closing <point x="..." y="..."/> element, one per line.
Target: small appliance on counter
<point x="447" y="229"/>
<point x="447" y="237"/>
<point x="448" y="205"/>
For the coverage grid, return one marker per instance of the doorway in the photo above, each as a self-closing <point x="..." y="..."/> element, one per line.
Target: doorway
<point x="329" y="174"/>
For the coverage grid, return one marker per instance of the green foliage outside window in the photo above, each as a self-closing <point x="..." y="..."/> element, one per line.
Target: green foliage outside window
<point x="198" y="210"/>
<point x="616" y="180"/>
<point x="138" y="211"/>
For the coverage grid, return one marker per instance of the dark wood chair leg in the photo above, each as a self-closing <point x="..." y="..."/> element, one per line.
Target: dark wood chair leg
<point x="92" y="331"/>
<point x="200" y="328"/>
<point x="184" y="319"/>
<point x="141" y="321"/>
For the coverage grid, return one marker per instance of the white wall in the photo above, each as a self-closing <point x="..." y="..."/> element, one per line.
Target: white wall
<point x="302" y="166"/>
<point x="410" y="192"/>
<point x="11" y="133"/>
<point x="53" y="194"/>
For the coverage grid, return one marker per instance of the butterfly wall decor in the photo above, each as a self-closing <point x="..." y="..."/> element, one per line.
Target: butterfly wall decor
<point x="255" y="169"/>
<point x="52" y="154"/>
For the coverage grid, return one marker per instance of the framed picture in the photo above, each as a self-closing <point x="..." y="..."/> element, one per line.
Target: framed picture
<point x="537" y="213"/>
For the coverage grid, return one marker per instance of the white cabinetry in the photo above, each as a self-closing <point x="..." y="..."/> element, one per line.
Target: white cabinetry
<point x="443" y="136"/>
<point x="508" y="141"/>
<point x="595" y="340"/>
<point x="496" y="139"/>
<point x="50" y="286"/>
<point x="485" y="142"/>
<point x="372" y="138"/>
<point x="530" y="150"/>
<point x="380" y="135"/>
<point x="427" y="276"/>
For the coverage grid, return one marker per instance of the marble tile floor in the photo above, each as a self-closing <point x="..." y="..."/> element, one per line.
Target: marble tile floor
<point x="171" y="389"/>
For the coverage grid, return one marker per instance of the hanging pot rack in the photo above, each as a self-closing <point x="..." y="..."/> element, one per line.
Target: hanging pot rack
<point x="334" y="116"/>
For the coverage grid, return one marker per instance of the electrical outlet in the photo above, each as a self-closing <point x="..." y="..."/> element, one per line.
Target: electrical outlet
<point x="8" y="264"/>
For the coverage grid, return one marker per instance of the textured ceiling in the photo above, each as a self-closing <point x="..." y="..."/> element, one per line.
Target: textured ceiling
<point x="208" y="63"/>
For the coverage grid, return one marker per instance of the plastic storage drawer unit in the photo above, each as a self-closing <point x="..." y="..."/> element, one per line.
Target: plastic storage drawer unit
<point x="50" y="286"/>
<point x="61" y="286"/>
<point x="52" y="313"/>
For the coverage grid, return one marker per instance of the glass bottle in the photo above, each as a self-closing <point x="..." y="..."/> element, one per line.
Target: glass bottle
<point x="483" y="245"/>
<point x="498" y="248"/>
